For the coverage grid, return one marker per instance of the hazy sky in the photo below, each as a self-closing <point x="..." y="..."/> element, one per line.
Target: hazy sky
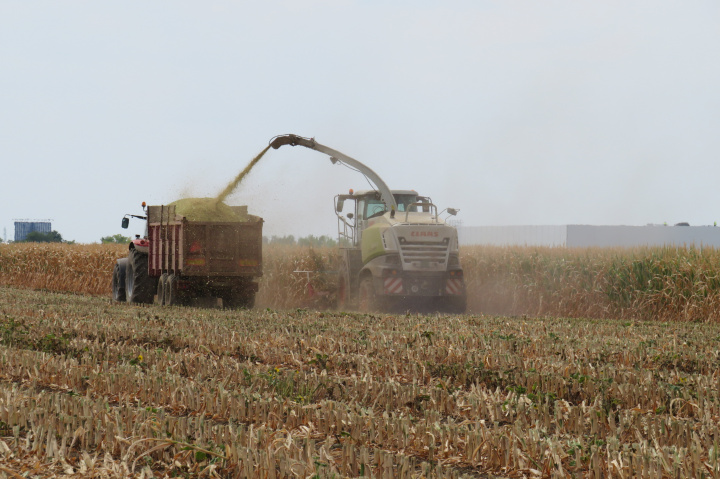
<point x="554" y="112"/>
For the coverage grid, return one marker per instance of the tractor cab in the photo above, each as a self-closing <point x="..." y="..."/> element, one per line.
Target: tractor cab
<point x="138" y="241"/>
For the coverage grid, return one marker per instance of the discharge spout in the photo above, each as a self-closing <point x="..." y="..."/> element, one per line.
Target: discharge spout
<point x="335" y="156"/>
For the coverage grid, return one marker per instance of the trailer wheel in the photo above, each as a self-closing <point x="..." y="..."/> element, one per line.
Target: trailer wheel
<point x="239" y="299"/>
<point x="170" y="290"/>
<point x="139" y="287"/>
<point x="118" y="280"/>
<point x="162" y="284"/>
<point x="249" y="300"/>
<point x="367" y="299"/>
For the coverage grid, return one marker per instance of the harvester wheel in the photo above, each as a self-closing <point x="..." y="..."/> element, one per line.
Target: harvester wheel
<point x="118" y="280"/>
<point x="455" y="304"/>
<point x="139" y="287"/>
<point x="342" y="292"/>
<point x="367" y="299"/>
<point x="171" y="291"/>
<point x="162" y="282"/>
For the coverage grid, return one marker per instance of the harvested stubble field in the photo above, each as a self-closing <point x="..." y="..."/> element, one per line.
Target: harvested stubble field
<point x="97" y="389"/>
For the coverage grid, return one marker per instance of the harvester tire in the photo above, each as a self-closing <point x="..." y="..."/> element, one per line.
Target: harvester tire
<point x="368" y="301"/>
<point x="139" y="287"/>
<point x="118" y="280"/>
<point x="455" y="304"/>
<point x="162" y="284"/>
<point x="342" y="292"/>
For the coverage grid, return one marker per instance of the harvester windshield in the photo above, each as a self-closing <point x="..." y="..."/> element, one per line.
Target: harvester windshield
<point x="404" y="201"/>
<point x="372" y="206"/>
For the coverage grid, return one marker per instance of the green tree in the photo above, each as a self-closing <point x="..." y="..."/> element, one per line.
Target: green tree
<point x="38" y="237"/>
<point x="115" y="239"/>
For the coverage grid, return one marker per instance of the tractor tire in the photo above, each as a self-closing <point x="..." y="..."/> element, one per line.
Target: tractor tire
<point x="118" y="280"/>
<point x="139" y="287"/>
<point x="171" y="297"/>
<point x="162" y="284"/>
<point x="368" y="302"/>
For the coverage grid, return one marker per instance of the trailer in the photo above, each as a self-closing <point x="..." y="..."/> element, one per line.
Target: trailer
<point x="181" y="258"/>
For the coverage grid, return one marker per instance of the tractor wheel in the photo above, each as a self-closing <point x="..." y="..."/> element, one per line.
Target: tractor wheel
<point x="139" y="287"/>
<point x="368" y="301"/>
<point x="162" y="284"/>
<point x="171" y="291"/>
<point x="118" y="280"/>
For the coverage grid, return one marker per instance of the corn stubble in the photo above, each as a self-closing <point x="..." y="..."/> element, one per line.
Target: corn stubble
<point x="97" y="389"/>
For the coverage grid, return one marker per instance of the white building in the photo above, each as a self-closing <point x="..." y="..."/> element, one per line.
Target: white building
<point x="581" y="236"/>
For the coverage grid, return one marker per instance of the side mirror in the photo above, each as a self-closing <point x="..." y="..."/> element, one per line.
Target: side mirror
<point x="453" y="211"/>
<point x="350" y="216"/>
<point x="125" y="222"/>
<point x="340" y="204"/>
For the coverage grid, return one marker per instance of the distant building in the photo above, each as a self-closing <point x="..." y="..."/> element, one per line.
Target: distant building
<point x="22" y="228"/>
<point x="583" y="236"/>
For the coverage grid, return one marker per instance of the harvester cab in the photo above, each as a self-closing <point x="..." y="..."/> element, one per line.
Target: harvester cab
<point x="396" y="250"/>
<point x="368" y="205"/>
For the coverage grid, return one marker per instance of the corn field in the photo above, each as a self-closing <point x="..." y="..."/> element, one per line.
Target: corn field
<point x="84" y="269"/>
<point x="667" y="284"/>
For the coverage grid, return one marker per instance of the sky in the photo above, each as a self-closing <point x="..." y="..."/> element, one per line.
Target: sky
<point x="517" y="113"/>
